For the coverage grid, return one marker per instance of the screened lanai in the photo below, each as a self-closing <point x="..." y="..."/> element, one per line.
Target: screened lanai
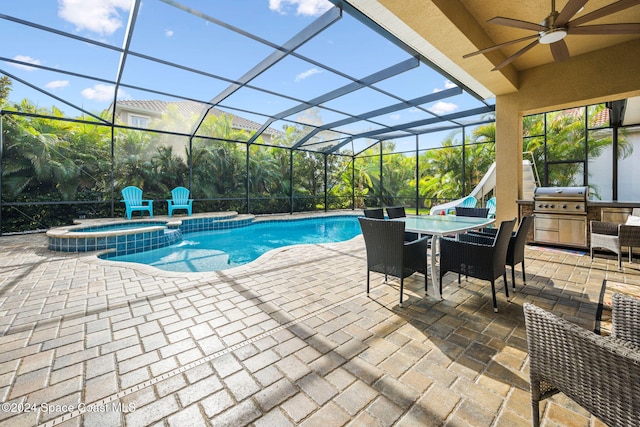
<point x="259" y="109"/>
<point x="282" y="107"/>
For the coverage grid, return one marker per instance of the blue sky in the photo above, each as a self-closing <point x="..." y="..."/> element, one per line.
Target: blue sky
<point x="164" y="31"/>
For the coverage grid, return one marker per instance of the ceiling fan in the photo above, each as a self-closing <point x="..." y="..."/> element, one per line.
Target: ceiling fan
<point x="558" y="25"/>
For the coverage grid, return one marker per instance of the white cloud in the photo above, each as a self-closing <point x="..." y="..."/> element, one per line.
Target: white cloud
<point x="448" y="84"/>
<point x="57" y="84"/>
<point x="25" y="58"/>
<point x="168" y="33"/>
<point x="443" y="107"/>
<point x="303" y="7"/>
<point x="100" y="92"/>
<point x="99" y="16"/>
<point x="306" y="74"/>
<point x="395" y="117"/>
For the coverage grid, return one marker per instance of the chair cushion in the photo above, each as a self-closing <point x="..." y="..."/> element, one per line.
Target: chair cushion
<point x="633" y="220"/>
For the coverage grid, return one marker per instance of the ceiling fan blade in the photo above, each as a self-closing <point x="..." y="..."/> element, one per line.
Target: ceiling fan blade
<point x="605" y="29"/>
<point x="498" y="46"/>
<point x="515" y="56"/>
<point x="559" y="51"/>
<point x="516" y="23"/>
<point x="569" y="10"/>
<point x="614" y="7"/>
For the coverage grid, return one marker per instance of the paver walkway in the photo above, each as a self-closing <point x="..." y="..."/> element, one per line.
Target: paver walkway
<point x="291" y="339"/>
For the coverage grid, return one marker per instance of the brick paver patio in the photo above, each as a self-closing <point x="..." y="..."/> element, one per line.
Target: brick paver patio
<point x="291" y="339"/>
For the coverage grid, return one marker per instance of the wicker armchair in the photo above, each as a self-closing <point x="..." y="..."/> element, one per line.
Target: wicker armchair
<point x="626" y="317"/>
<point x="388" y="253"/>
<point x="613" y="236"/>
<point x="601" y="374"/>
<point x="515" y="252"/>
<point x="481" y="259"/>
<point x="475" y="212"/>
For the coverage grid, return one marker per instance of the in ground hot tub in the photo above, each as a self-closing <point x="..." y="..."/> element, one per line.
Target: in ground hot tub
<point x="124" y="237"/>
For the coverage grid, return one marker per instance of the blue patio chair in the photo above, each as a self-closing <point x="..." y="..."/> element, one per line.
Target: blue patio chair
<point x="180" y="200"/>
<point x="469" y="202"/>
<point x="491" y="204"/>
<point x="132" y="199"/>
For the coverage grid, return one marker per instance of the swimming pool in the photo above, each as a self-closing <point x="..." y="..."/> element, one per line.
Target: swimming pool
<point x="223" y="249"/>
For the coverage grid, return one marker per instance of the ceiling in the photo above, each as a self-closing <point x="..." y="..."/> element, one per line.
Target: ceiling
<point x="536" y="11"/>
<point x="462" y="28"/>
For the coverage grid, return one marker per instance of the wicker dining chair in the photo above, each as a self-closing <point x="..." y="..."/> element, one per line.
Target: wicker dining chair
<point x="396" y="212"/>
<point x="474" y="212"/>
<point x="515" y="252"/>
<point x="472" y="256"/>
<point x="390" y="254"/>
<point x="601" y="374"/>
<point x="377" y="213"/>
<point x="399" y="212"/>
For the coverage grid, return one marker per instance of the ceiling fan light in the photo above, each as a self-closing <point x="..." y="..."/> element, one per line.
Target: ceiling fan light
<point x="553" y="35"/>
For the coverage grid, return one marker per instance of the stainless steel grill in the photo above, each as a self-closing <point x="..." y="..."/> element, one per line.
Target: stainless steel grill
<point x="561" y="200"/>
<point x="561" y="215"/>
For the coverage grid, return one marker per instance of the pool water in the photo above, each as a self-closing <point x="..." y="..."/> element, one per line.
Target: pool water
<point x="222" y="249"/>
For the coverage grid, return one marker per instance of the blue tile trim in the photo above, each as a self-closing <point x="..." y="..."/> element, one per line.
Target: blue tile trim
<point x="209" y="224"/>
<point x="123" y="244"/>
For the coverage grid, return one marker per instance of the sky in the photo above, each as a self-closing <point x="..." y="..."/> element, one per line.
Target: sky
<point x="195" y="40"/>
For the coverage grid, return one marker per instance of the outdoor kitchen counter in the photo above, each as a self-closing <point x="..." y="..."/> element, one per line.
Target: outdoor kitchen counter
<point x="610" y="211"/>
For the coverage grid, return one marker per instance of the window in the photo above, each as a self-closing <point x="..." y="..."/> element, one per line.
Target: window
<point x="577" y="147"/>
<point x="138" y="121"/>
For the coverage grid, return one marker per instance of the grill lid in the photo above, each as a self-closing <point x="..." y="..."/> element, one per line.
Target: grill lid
<point x="561" y="193"/>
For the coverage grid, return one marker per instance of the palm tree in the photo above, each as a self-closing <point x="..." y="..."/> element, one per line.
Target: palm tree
<point x="265" y="178"/>
<point x="398" y="179"/>
<point x="167" y="170"/>
<point x="40" y="158"/>
<point x="441" y="171"/>
<point x="566" y="142"/>
<point x="219" y="166"/>
<point x="132" y="158"/>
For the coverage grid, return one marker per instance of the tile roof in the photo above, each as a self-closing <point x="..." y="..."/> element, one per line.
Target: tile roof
<point x="187" y="108"/>
<point x="601" y="119"/>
